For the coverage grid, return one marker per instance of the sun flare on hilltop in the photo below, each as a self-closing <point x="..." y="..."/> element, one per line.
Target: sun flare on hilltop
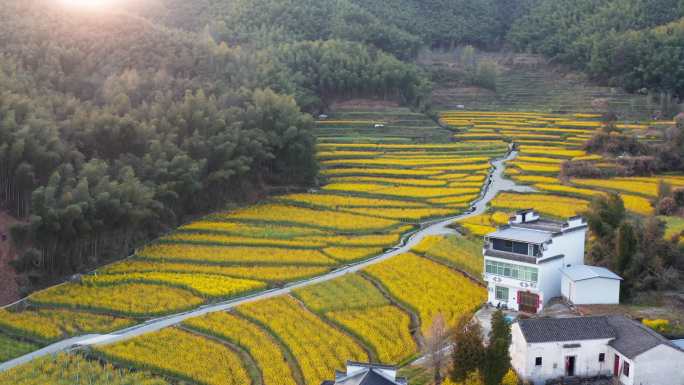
<point x="86" y="4"/>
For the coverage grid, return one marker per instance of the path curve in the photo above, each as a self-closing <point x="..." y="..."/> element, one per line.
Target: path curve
<point x="494" y="184"/>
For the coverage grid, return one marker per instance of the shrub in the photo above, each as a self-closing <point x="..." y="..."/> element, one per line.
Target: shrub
<point x="667" y="206"/>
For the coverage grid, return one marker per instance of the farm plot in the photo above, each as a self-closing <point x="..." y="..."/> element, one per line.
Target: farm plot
<point x="545" y="142"/>
<point x="428" y="288"/>
<point x="74" y="369"/>
<point x="381" y="182"/>
<point x="182" y="355"/>
<point x="354" y="304"/>
<point x="464" y="253"/>
<point x="318" y="347"/>
<point x="263" y="348"/>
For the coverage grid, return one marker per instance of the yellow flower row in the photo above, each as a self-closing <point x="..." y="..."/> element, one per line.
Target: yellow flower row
<point x="53" y="324"/>
<point x="238" y="240"/>
<point x="266" y="273"/>
<point x="396" y="162"/>
<point x="207" y="285"/>
<point x="535" y="167"/>
<point x="310" y="217"/>
<point x="318" y="348"/>
<point x="396" y="181"/>
<point x="234" y="255"/>
<point x="378" y="171"/>
<point x="559" y="188"/>
<point x="360" y="307"/>
<point x="554" y="151"/>
<point x="428" y="287"/>
<point x="349" y="292"/>
<point x="260" y="346"/>
<point x="74" y="369"/>
<point x="554" y="205"/>
<point x="408" y="214"/>
<point x="462" y="252"/>
<point x="386" y="329"/>
<point x="262" y="230"/>
<point x="129" y="299"/>
<point x="352" y="253"/>
<point x="181" y="354"/>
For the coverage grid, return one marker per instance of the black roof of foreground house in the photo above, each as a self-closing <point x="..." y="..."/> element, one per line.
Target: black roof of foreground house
<point x="566" y="329"/>
<point x="627" y="336"/>
<point x="370" y="375"/>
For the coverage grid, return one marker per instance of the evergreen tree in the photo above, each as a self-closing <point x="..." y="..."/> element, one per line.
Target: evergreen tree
<point x="468" y="352"/>
<point x="497" y="357"/>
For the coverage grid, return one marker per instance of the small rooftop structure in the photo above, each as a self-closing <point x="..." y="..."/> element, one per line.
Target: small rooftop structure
<point x="360" y="373"/>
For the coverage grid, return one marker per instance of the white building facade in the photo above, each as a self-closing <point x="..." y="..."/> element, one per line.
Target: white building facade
<point x="523" y="260"/>
<point x="546" y="349"/>
<point x="590" y="285"/>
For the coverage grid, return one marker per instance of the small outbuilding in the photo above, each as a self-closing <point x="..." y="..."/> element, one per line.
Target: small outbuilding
<point x="590" y="285"/>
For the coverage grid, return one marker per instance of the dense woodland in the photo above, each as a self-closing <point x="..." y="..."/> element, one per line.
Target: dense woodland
<point x="118" y="125"/>
<point x="115" y="127"/>
<point x="637" y="44"/>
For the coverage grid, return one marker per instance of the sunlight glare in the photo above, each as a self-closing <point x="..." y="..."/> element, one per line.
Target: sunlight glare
<point x="86" y="4"/>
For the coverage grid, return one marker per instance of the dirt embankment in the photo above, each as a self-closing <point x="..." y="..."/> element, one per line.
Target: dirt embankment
<point x="9" y="289"/>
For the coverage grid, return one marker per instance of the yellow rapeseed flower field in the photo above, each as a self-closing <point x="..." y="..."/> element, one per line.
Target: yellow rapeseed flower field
<point x="181" y="354"/>
<point x="266" y="272"/>
<point x="233" y="254"/>
<point x="318" y="348"/>
<point x="206" y="285"/>
<point x="74" y="369"/>
<point x="328" y="219"/>
<point x="127" y="299"/>
<point x="463" y="252"/>
<point x="554" y="205"/>
<point x="413" y="280"/>
<point x="256" y="341"/>
<point x="53" y="324"/>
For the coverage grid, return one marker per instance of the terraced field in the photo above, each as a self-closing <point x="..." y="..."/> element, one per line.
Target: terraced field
<point x="378" y="184"/>
<point x="545" y="141"/>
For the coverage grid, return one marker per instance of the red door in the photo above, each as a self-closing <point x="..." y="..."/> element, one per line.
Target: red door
<point x="528" y="302"/>
<point x="616" y="366"/>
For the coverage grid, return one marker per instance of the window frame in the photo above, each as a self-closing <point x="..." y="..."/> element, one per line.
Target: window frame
<point x="503" y="288"/>
<point x="625" y="368"/>
<point x="602" y="357"/>
<point x="538" y="361"/>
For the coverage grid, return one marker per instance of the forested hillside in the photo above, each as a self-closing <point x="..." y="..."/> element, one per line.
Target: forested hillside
<point x="116" y="125"/>
<point x="630" y="43"/>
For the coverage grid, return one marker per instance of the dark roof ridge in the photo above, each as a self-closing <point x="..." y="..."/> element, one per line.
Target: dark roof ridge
<point x="370" y="365"/>
<point x="652" y="333"/>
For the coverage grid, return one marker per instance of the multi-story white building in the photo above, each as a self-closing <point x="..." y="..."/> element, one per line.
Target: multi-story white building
<point x="523" y="260"/>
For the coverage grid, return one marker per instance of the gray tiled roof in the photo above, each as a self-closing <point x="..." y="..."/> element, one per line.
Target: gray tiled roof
<point x="633" y="338"/>
<point x="566" y="329"/>
<point x="629" y="337"/>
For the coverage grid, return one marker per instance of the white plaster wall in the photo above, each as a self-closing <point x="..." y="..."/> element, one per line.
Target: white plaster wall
<point x="553" y="359"/>
<point x="570" y="244"/>
<point x="518" y="351"/>
<point x="550" y="279"/>
<point x="591" y="291"/>
<point x="658" y="366"/>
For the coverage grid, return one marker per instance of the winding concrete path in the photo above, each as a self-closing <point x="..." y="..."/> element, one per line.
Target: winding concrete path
<point x="495" y="183"/>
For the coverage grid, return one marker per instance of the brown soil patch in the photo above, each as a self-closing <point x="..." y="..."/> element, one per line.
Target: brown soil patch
<point x="669" y="308"/>
<point x="364" y="104"/>
<point x="9" y="289"/>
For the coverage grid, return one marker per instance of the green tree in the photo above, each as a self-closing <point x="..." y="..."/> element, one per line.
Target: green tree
<point x="468" y="350"/>
<point x="497" y="358"/>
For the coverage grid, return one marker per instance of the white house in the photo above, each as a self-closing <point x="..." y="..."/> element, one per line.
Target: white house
<point x="615" y="346"/>
<point x="523" y="260"/>
<point x="590" y="285"/>
<point x="359" y="373"/>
